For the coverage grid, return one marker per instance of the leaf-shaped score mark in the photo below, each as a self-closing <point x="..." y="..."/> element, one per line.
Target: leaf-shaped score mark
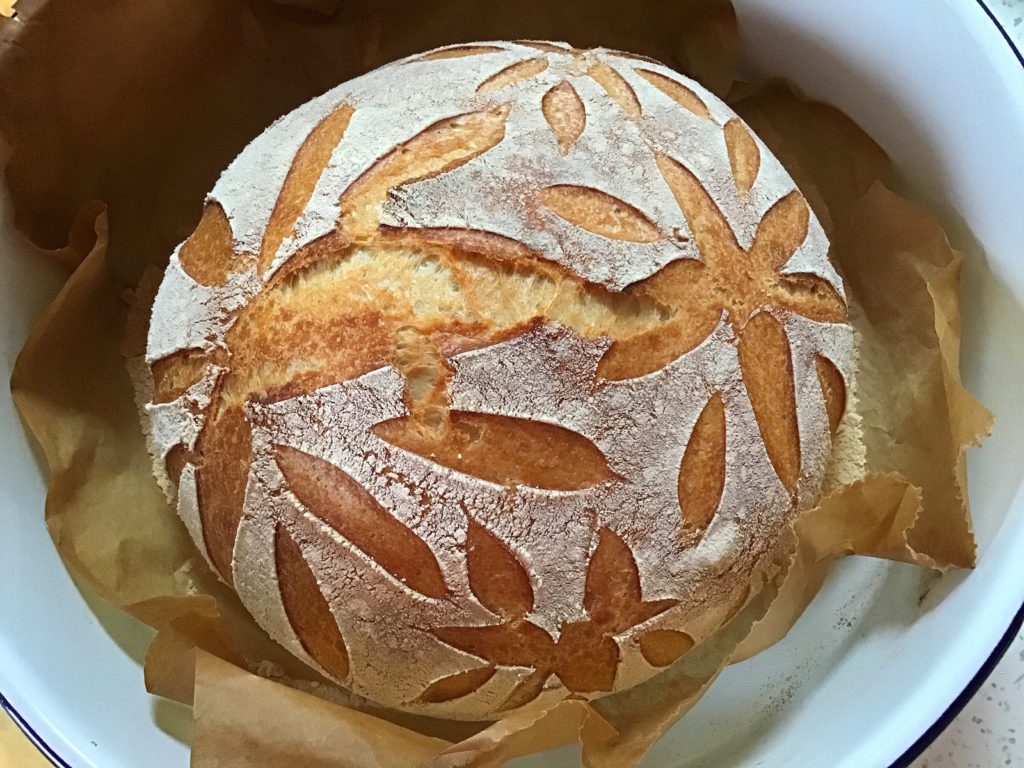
<point x="208" y="255"/>
<point x="585" y="657"/>
<point x="616" y="87"/>
<point x="445" y="145"/>
<point x="744" y="155"/>
<point x="174" y="374"/>
<point x="519" y="643"/>
<point x="458" y="52"/>
<point x="225" y="444"/>
<point x="676" y="91"/>
<point x="333" y="496"/>
<point x="588" y="657"/>
<point x="811" y="297"/>
<point x="660" y="647"/>
<point x="600" y="213"/>
<point x="513" y="74"/>
<point x="563" y="109"/>
<point x="702" y="469"/>
<point x="307" y="167"/>
<point x="306" y="608"/>
<point x="456" y="686"/>
<point x="744" y="284"/>
<point x="612" y="596"/>
<point x="767" y="368"/>
<point x="526" y="691"/>
<point x="496" y="577"/>
<point x="833" y="389"/>
<point x="504" y="450"/>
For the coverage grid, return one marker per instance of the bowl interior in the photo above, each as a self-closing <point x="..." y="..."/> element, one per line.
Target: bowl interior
<point x="882" y="651"/>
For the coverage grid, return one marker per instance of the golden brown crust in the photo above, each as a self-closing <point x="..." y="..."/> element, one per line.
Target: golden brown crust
<point x="504" y="450"/>
<point x="661" y="647"/>
<point x="679" y="93"/>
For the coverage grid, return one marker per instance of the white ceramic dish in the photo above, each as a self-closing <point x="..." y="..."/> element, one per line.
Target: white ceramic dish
<point x="870" y="668"/>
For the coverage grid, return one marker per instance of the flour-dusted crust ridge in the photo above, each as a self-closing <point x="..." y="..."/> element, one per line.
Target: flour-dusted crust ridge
<point x="691" y="362"/>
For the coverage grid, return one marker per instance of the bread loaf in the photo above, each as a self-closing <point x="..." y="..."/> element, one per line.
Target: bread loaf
<point x="498" y="374"/>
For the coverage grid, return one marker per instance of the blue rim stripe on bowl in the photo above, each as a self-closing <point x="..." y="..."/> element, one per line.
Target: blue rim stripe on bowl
<point x="904" y="761"/>
<point x="1006" y="640"/>
<point x="30" y="732"/>
<point x="967" y="693"/>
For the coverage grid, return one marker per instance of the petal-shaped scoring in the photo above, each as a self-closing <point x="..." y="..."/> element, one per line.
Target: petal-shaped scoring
<point x="496" y="576"/>
<point x="333" y="496"/>
<point x="527" y="690"/>
<point x="516" y="644"/>
<point x="613" y="597"/>
<point x="780" y="233"/>
<point x="676" y="91"/>
<point x="767" y="365"/>
<point x="600" y="213"/>
<point x="306" y="608"/>
<point x="702" y="469"/>
<point x="456" y="686"/>
<point x="744" y="154"/>
<point x="565" y="113"/>
<point x="660" y="647"/>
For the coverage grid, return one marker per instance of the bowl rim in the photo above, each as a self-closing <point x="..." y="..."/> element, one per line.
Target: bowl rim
<point x="911" y="753"/>
<point x="1017" y="622"/>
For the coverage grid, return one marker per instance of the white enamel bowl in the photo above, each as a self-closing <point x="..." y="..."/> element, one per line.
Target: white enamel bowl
<point x="870" y="669"/>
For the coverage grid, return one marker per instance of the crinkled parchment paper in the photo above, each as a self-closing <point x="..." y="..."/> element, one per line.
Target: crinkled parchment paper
<point x="121" y="115"/>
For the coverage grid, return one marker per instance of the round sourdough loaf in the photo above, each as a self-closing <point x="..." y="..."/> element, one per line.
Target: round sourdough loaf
<point x="499" y="373"/>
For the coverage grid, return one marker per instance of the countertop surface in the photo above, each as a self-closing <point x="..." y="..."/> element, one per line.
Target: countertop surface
<point x="988" y="733"/>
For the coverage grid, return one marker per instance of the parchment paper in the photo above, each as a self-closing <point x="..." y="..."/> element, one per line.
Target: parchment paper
<point x="140" y="105"/>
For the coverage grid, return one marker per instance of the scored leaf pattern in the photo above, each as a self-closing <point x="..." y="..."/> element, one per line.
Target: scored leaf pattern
<point x="305" y="171"/>
<point x="744" y="155"/>
<point x="600" y="213"/>
<point x="440" y="148"/>
<point x="459" y="51"/>
<point x="676" y="91"/>
<point x="833" y="389"/>
<point x="306" y="608"/>
<point x="456" y="686"/>
<point x="505" y="450"/>
<point x="767" y="366"/>
<point x="702" y="470"/>
<point x="344" y="504"/>
<point x="585" y="655"/>
<point x="660" y="647"/>
<point x="555" y="378"/>
<point x="512" y="74"/>
<point x="565" y="113"/>
<point x="616" y="87"/>
<point x="743" y="284"/>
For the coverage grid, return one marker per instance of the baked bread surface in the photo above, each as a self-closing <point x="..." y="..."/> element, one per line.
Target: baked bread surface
<point x="498" y="373"/>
